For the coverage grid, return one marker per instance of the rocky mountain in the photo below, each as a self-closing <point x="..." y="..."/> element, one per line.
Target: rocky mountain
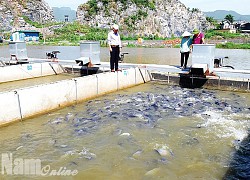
<point x="59" y="13"/>
<point x="164" y="18"/>
<point x="16" y="14"/>
<point x="221" y="14"/>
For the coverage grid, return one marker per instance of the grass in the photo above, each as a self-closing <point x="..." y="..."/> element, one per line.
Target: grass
<point x="213" y="34"/>
<point x="230" y="45"/>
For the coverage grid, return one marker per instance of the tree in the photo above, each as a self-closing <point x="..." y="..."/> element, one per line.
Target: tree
<point x="230" y="18"/>
<point x="212" y="21"/>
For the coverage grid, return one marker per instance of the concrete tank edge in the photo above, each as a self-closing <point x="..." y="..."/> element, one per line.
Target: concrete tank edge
<point x="125" y="79"/>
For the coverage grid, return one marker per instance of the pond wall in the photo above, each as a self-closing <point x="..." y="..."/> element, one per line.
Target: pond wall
<point x="23" y="103"/>
<point x="29" y="70"/>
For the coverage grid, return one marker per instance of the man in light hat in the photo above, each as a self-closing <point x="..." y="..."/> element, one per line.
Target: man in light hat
<point x="198" y="37"/>
<point x="115" y="45"/>
<point x="185" y="48"/>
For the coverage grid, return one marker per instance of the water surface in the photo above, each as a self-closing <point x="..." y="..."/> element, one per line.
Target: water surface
<point x="151" y="131"/>
<point x="238" y="58"/>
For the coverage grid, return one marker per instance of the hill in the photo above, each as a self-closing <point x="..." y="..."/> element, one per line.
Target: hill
<point x="59" y="13"/>
<point x="221" y="14"/>
<point x="142" y="18"/>
<point x="23" y="14"/>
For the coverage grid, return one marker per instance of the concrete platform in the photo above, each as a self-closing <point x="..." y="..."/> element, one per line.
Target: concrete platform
<point x="225" y="79"/>
<point x="213" y="82"/>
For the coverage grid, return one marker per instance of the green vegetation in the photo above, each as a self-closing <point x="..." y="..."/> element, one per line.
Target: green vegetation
<point x="220" y="35"/>
<point x="92" y="8"/>
<point x="212" y="21"/>
<point x="231" y="45"/>
<point x="39" y="25"/>
<point x="22" y="2"/>
<point x="216" y="34"/>
<point x="195" y="10"/>
<point x="73" y="33"/>
<point x="151" y="5"/>
<point x="141" y="3"/>
<point x="230" y="18"/>
<point x="131" y="20"/>
<point x="144" y="3"/>
<point x="149" y="37"/>
<point x="36" y="24"/>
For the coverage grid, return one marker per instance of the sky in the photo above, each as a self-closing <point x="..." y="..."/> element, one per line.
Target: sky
<point x="73" y="4"/>
<point x="240" y="6"/>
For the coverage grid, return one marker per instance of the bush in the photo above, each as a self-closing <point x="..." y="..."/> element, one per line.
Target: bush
<point x="33" y="23"/>
<point x="74" y="32"/>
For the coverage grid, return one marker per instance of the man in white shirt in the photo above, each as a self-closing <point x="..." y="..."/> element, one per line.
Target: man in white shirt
<point x="115" y="45"/>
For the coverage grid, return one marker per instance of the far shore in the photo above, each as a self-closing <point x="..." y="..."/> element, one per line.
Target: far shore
<point x="171" y="43"/>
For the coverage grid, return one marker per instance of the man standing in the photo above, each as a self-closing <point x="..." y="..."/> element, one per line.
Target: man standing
<point x="115" y="45"/>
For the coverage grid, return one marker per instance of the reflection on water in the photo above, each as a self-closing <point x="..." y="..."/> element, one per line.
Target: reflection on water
<point x="146" y="132"/>
<point x="238" y="58"/>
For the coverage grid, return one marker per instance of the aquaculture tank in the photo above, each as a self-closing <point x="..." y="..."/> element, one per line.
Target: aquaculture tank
<point x="90" y="51"/>
<point x="202" y="65"/>
<point x="18" y="50"/>
<point x="203" y="54"/>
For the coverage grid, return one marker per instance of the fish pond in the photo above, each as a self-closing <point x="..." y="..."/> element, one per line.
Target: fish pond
<point x="151" y="131"/>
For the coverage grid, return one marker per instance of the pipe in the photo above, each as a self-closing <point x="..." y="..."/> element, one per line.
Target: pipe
<point x="248" y="84"/>
<point x="142" y="75"/>
<point x="76" y="89"/>
<point x="97" y="87"/>
<point x="168" y="77"/>
<point x="219" y="83"/>
<point x="135" y="76"/>
<point x="117" y="81"/>
<point x="19" y="105"/>
<point x="53" y="68"/>
<point x="62" y="68"/>
<point x="41" y="69"/>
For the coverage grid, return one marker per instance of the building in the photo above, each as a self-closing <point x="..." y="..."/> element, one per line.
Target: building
<point x="66" y="17"/>
<point x="25" y="35"/>
<point x="245" y="28"/>
<point x="227" y="26"/>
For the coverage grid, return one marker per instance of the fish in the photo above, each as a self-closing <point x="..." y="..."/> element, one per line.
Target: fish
<point x="152" y="172"/>
<point x="125" y="134"/>
<point x="19" y="148"/>
<point x="163" y="150"/>
<point x="137" y="153"/>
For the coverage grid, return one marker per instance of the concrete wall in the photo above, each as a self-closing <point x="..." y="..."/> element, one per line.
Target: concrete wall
<point x="25" y="71"/>
<point x="214" y="83"/>
<point x="27" y="102"/>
